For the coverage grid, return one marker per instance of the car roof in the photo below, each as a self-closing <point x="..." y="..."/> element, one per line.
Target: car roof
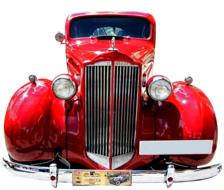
<point x="114" y="13"/>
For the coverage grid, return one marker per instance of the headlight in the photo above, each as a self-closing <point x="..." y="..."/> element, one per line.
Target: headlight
<point x="63" y="87"/>
<point x="159" y="89"/>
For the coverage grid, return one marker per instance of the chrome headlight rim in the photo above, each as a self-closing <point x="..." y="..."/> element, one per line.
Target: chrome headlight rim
<point x="68" y="78"/>
<point x="155" y="80"/>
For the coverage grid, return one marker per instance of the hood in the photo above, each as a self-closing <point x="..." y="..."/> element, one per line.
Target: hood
<point x="86" y="50"/>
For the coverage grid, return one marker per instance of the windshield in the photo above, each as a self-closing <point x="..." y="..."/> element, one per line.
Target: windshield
<point x="110" y="26"/>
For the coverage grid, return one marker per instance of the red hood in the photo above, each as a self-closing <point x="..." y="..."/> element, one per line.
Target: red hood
<point x="87" y="49"/>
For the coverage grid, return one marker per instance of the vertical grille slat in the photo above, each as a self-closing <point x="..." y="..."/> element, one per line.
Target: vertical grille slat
<point x="98" y="111"/>
<point x="115" y="111"/>
<point x="120" y="110"/>
<point x="117" y="108"/>
<point x="121" y="129"/>
<point x="133" y="116"/>
<point x="108" y="111"/>
<point x="127" y="78"/>
<point x="102" y="110"/>
<point x="130" y="109"/>
<point x="87" y="112"/>
<point x="98" y="96"/>
<point x="94" y="113"/>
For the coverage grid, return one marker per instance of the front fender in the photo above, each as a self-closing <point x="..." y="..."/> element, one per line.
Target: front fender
<point x="187" y="115"/>
<point x="27" y="122"/>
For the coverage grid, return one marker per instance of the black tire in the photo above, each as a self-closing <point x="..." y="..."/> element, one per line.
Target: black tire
<point x="117" y="183"/>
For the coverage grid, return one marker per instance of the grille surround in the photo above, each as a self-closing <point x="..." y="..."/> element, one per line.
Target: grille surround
<point x="106" y="82"/>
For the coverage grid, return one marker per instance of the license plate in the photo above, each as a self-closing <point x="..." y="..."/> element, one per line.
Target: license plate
<point x="97" y="177"/>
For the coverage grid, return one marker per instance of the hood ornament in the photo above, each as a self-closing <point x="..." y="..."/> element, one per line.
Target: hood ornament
<point x="112" y="48"/>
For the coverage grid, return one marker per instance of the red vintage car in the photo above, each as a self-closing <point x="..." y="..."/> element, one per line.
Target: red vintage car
<point x="109" y="112"/>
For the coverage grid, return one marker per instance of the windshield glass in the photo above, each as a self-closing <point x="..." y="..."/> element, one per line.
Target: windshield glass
<point x="110" y="26"/>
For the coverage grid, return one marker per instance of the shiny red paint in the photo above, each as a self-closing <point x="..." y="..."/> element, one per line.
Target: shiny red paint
<point x="26" y="122"/>
<point x="37" y="123"/>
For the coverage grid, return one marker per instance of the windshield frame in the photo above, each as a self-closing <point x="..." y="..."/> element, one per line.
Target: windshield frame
<point x="124" y="16"/>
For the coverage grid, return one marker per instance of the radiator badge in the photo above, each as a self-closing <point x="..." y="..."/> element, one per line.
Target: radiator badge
<point x="96" y="177"/>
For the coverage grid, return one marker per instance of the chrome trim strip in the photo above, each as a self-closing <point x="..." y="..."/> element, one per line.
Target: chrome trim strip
<point x="138" y="176"/>
<point x="100" y="89"/>
<point x="124" y="63"/>
<point x="175" y="147"/>
<point x="109" y="76"/>
<point x="137" y="103"/>
<point x="94" y="126"/>
<point x="101" y="63"/>
<point x="128" y="115"/>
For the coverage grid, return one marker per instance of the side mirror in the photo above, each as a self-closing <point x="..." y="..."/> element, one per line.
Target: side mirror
<point x="60" y="37"/>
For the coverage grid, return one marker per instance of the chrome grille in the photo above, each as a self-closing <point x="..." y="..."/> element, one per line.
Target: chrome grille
<point x="97" y="107"/>
<point x="98" y="96"/>
<point x="125" y="107"/>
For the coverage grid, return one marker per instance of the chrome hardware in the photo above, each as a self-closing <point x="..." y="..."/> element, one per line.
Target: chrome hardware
<point x="169" y="176"/>
<point x="138" y="176"/>
<point x="60" y="37"/>
<point x="53" y="171"/>
<point x="188" y="80"/>
<point x="98" y="95"/>
<point x="97" y="104"/>
<point x="32" y="79"/>
<point x="112" y="48"/>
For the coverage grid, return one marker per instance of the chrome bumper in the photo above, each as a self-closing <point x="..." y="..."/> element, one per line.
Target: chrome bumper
<point x="169" y="176"/>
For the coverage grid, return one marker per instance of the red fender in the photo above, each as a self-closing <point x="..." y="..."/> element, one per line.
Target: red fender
<point x="28" y="123"/>
<point x="35" y="124"/>
<point x="188" y="115"/>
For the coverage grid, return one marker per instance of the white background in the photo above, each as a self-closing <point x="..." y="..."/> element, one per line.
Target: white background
<point x="190" y="41"/>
